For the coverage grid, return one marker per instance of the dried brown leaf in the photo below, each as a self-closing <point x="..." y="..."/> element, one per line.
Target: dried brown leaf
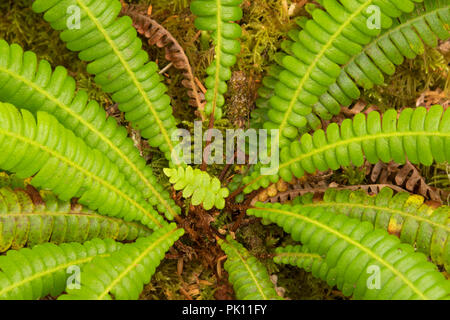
<point x="174" y="52"/>
<point x="405" y="176"/>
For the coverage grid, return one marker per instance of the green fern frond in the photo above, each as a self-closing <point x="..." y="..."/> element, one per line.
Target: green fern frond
<point x="198" y="184"/>
<point x="428" y="23"/>
<point x="328" y="40"/>
<point x="30" y="274"/>
<point x="119" y="64"/>
<point x="356" y="251"/>
<point x="31" y="84"/>
<point x="122" y="275"/>
<point x="217" y="16"/>
<point x="249" y="277"/>
<point x="401" y="214"/>
<point x="404" y="39"/>
<point x="421" y="135"/>
<point x="27" y="222"/>
<point x="63" y="163"/>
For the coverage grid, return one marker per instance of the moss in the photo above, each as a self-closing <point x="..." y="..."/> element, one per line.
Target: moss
<point x="427" y="72"/>
<point x="265" y="25"/>
<point x="350" y="176"/>
<point x="301" y="285"/>
<point x="194" y="282"/>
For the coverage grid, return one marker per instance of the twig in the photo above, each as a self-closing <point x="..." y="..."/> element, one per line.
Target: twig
<point x="166" y="68"/>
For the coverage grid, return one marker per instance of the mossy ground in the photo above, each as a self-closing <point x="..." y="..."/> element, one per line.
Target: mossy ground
<point x="265" y="24"/>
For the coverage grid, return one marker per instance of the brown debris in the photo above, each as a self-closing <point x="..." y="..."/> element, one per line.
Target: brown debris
<point x="431" y="98"/>
<point x="174" y="52"/>
<point x="242" y="94"/>
<point x="405" y="176"/>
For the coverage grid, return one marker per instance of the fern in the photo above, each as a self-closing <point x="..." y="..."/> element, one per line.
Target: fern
<point x="420" y="135"/>
<point x="402" y="214"/>
<point x="119" y="64"/>
<point x="198" y="184"/>
<point x="328" y="40"/>
<point x="44" y="147"/>
<point x="29" y="274"/>
<point x="95" y="185"/>
<point x="27" y="222"/>
<point x="403" y="39"/>
<point x="216" y="16"/>
<point x="248" y="276"/>
<point x="298" y="256"/>
<point x="31" y="84"/>
<point x="123" y="274"/>
<point x="352" y="247"/>
<point x="265" y="92"/>
<point x="427" y="23"/>
<point x="121" y="67"/>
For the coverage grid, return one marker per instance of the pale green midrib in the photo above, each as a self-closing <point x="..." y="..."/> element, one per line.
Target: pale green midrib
<point x="134" y="263"/>
<point x="313" y="65"/>
<point x="218" y="54"/>
<point x="299" y="255"/>
<point x="98" y="133"/>
<point x="250" y="271"/>
<point x="378" y="208"/>
<point x="49" y="271"/>
<point x="129" y="71"/>
<point x="79" y="168"/>
<point x="351" y="242"/>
